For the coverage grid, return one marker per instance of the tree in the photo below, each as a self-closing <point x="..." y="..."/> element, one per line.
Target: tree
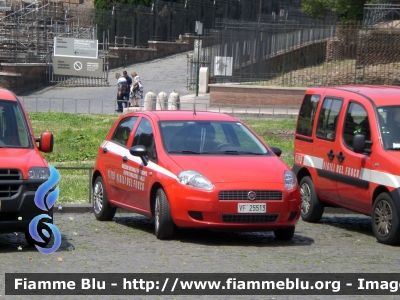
<point x="345" y="10"/>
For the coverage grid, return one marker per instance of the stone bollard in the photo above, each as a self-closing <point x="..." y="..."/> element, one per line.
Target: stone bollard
<point x="150" y="101"/>
<point x="174" y="102"/>
<point x="204" y="77"/>
<point x="163" y="100"/>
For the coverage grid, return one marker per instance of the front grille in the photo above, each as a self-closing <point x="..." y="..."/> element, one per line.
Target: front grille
<point x="242" y="195"/>
<point x="8" y="188"/>
<point x="249" y="218"/>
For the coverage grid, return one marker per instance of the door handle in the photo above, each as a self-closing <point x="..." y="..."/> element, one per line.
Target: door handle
<point x="331" y="155"/>
<point x="340" y="156"/>
<point x="105" y="150"/>
<point x="124" y="159"/>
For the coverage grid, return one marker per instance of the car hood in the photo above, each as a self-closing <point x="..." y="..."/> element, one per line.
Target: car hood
<point x="22" y="159"/>
<point x="229" y="168"/>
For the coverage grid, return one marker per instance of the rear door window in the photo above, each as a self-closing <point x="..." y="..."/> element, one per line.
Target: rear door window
<point x="307" y="114"/>
<point x="328" y="118"/>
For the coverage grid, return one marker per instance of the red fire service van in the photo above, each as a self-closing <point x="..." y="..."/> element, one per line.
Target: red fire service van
<point x="347" y="154"/>
<point x="22" y="167"/>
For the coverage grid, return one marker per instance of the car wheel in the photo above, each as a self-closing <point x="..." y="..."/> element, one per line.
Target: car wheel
<point x="284" y="234"/>
<point x="311" y="207"/>
<point x="385" y="220"/>
<point x="101" y="207"/>
<point x="163" y="224"/>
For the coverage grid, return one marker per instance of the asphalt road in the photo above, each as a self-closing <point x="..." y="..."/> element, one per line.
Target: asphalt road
<point x="160" y="75"/>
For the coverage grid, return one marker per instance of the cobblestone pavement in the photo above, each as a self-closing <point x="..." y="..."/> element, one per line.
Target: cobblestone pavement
<point x="339" y="243"/>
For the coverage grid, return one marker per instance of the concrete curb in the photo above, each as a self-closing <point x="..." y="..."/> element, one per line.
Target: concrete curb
<point x="88" y="208"/>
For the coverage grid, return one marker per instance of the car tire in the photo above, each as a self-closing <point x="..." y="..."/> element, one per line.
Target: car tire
<point x="284" y="234"/>
<point x="385" y="220"/>
<point x="312" y="208"/>
<point x="163" y="224"/>
<point x="101" y="207"/>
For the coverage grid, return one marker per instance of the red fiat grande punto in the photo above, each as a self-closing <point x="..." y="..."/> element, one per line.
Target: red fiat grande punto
<point x="194" y="170"/>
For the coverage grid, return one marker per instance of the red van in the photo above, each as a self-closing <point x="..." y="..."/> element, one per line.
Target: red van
<point x="22" y="167"/>
<point x="347" y="154"/>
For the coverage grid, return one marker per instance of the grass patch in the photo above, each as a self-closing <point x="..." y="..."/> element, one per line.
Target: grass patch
<point x="77" y="138"/>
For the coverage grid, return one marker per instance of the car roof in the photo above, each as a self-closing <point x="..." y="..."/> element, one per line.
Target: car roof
<point x="186" y="115"/>
<point x="379" y="94"/>
<point x="7" y="95"/>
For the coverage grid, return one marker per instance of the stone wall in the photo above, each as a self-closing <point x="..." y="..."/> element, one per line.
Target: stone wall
<point x="256" y="95"/>
<point x="378" y="46"/>
<point x="293" y="59"/>
<point x="20" y="78"/>
<point x="168" y="48"/>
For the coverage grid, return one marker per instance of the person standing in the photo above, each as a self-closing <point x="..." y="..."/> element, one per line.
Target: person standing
<point x="121" y="90"/>
<point x="128" y="87"/>
<point x="136" y="89"/>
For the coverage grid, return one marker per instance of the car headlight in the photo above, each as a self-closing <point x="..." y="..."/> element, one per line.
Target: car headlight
<point x="290" y="180"/>
<point x="195" y="179"/>
<point x="39" y="173"/>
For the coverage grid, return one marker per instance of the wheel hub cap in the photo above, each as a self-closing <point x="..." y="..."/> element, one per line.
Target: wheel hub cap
<point x="383" y="218"/>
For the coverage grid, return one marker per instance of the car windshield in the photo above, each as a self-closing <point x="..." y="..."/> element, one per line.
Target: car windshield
<point x="201" y="137"/>
<point x="389" y="123"/>
<point x="13" y="127"/>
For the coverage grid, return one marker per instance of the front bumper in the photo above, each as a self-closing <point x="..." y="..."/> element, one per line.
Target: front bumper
<point x="194" y="208"/>
<point x="17" y="212"/>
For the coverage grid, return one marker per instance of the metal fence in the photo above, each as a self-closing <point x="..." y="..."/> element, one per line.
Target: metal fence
<point x="304" y="55"/>
<point x="90" y="176"/>
<point x="89" y="106"/>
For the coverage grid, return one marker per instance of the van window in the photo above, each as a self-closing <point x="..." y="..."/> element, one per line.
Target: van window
<point x="327" y="119"/>
<point x="356" y="122"/>
<point x="307" y="114"/>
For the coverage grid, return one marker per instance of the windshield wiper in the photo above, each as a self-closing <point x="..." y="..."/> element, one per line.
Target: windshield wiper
<point x="240" y="152"/>
<point x="184" y="151"/>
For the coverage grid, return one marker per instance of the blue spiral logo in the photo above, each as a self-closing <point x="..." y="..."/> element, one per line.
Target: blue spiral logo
<point x="46" y="203"/>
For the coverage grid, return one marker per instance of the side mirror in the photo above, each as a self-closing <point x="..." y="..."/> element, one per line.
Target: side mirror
<point x="277" y="151"/>
<point x="141" y="151"/>
<point x="359" y="143"/>
<point x="46" y="142"/>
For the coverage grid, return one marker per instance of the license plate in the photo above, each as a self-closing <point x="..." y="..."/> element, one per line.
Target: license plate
<point x="248" y="208"/>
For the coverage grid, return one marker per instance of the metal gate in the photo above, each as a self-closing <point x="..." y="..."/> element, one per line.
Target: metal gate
<point x="71" y="81"/>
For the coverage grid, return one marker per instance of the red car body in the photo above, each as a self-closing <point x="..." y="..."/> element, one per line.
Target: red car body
<point x="132" y="181"/>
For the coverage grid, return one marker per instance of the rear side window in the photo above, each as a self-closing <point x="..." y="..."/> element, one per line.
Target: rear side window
<point x="328" y="117"/>
<point x="307" y="114"/>
<point x="123" y="130"/>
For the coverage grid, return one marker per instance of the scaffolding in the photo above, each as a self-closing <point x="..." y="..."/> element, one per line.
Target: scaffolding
<point x="382" y="16"/>
<point x="28" y="28"/>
